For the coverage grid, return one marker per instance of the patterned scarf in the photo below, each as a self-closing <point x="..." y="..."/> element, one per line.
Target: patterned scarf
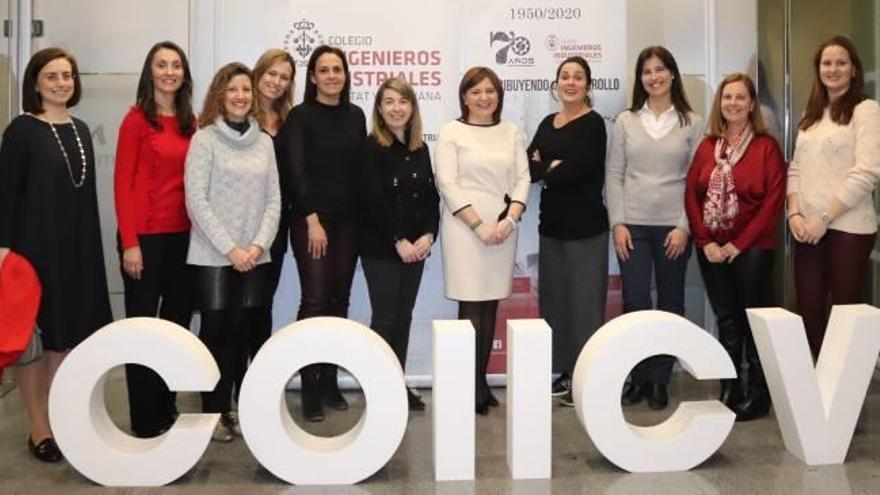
<point x="722" y="204"/>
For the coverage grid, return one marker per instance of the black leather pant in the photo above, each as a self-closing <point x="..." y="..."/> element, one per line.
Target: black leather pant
<point x="229" y="302"/>
<point x="733" y="287"/>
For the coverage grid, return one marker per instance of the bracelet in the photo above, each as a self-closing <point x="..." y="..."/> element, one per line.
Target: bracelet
<point x="795" y="214"/>
<point x="512" y="221"/>
<point x="476" y="224"/>
<point x="826" y="218"/>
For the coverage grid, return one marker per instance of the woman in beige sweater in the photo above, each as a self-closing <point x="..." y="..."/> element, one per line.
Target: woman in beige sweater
<point x="831" y="182"/>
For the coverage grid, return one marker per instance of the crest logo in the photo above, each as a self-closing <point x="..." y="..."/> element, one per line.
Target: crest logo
<point x="510" y="42"/>
<point x="302" y="39"/>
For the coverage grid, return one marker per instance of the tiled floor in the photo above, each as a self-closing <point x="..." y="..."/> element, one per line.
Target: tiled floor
<point x="752" y="460"/>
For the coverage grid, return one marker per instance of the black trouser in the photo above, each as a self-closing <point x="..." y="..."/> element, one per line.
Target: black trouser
<point x="393" y="286"/>
<point x="325" y="283"/>
<point x="649" y="255"/>
<point x="733" y="287"/>
<point x="164" y="289"/>
<point x="228" y="302"/>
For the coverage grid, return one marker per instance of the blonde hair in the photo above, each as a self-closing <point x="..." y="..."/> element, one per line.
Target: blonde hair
<point x="283" y="104"/>
<point x="717" y="124"/>
<point x="380" y="131"/>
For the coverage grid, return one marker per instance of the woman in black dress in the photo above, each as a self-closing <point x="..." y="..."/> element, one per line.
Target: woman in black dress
<point x="321" y="141"/>
<point x="49" y="215"/>
<point x="399" y="214"/>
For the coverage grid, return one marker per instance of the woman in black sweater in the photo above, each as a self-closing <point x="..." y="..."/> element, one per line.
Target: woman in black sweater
<point x="399" y="214"/>
<point x="321" y="138"/>
<point x="567" y="156"/>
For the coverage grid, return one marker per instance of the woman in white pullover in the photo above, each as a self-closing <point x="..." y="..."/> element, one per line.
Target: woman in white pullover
<point x="234" y="202"/>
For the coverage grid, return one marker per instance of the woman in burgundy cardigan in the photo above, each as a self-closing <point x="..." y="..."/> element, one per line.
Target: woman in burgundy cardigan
<point x="733" y="197"/>
<point x="151" y="214"/>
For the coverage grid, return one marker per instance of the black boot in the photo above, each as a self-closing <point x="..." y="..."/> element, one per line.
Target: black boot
<point x="757" y="402"/>
<point x="731" y="392"/>
<point x="330" y="393"/>
<point x="755" y="405"/>
<point x="310" y="396"/>
<point x="632" y="394"/>
<point x="658" y="397"/>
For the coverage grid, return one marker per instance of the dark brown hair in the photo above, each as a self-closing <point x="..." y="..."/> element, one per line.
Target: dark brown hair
<point x="471" y="78"/>
<point x="842" y="109"/>
<point x="31" y="101"/>
<point x="311" y="92"/>
<point x="577" y="59"/>
<point x="676" y="92"/>
<point x="216" y="95"/>
<point x="146" y="92"/>
<point x="717" y="124"/>
<point x="283" y="104"/>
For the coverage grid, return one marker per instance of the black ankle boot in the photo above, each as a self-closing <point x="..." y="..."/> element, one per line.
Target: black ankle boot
<point x="658" y="397"/>
<point x="755" y="405"/>
<point x="632" y="394"/>
<point x="330" y="393"/>
<point x="310" y="396"/>
<point x="731" y="392"/>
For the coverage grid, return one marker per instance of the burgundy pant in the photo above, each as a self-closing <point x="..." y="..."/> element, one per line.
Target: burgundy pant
<point x="834" y="271"/>
<point x="325" y="283"/>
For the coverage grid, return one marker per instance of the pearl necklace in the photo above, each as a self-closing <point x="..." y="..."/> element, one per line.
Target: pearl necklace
<point x="82" y="152"/>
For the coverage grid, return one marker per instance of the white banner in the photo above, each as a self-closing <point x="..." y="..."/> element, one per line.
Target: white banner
<point x="431" y="44"/>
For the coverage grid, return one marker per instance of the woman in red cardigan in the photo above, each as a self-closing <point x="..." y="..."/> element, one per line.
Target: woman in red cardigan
<point x="151" y="214"/>
<point x="733" y="197"/>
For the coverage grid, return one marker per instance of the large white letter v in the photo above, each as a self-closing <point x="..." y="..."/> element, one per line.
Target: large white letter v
<point x="817" y="408"/>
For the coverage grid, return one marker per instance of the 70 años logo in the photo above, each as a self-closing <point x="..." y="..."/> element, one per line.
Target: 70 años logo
<point x="510" y="42"/>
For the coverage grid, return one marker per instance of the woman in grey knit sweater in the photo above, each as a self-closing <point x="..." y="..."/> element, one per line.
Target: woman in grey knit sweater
<point x="651" y="148"/>
<point x="234" y="202"/>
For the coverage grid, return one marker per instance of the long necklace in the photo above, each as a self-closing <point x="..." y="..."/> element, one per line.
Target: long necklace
<point x="82" y="154"/>
<point x="82" y="151"/>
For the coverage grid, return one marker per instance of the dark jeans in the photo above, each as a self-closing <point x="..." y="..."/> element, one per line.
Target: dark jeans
<point x="228" y="303"/>
<point x="733" y="287"/>
<point x="393" y="286"/>
<point x="834" y="271"/>
<point x="164" y="289"/>
<point x="572" y="289"/>
<point x="649" y="255"/>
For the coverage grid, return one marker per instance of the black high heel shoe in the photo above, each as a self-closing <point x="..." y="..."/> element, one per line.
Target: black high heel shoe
<point x="46" y="451"/>
<point x="493" y="401"/>
<point x="482" y="407"/>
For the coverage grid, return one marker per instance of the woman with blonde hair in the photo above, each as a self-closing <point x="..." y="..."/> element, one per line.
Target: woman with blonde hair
<point x="733" y="198"/>
<point x="399" y="214"/>
<point x="234" y="201"/>
<point x="273" y="99"/>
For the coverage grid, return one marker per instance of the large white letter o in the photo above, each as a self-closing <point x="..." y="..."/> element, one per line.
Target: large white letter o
<point x="297" y="456"/>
